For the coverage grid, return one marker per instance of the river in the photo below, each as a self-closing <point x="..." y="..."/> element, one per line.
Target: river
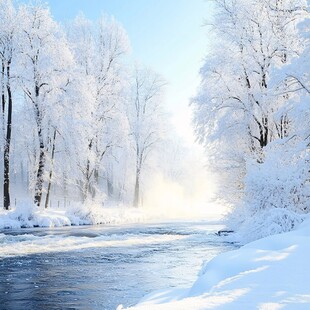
<point x="100" y="267"/>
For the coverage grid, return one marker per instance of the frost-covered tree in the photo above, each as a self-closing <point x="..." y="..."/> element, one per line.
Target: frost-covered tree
<point x="99" y="48"/>
<point x="45" y="57"/>
<point x="8" y="37"/>
<point x="247" y="93"/>
<point x="80" y="118"/>
<point x="145" y="119"/>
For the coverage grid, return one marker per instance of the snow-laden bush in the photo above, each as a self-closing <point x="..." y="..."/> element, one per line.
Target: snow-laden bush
<point x="269" y="222"/>
<point x="281" y="181"/>
<point x="277" y="191"/>
<point x="18" y="217"/>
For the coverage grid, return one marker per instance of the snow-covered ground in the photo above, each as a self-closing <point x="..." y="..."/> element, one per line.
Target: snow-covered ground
<point x="268" y="274"/>
<point x="27" y="217"/>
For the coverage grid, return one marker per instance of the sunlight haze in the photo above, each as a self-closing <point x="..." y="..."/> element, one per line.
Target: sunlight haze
<point x="154" y="154"/>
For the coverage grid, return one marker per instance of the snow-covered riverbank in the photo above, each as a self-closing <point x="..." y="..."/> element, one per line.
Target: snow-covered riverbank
<point x="270" y="273"/>
<point x="26" y="217"/>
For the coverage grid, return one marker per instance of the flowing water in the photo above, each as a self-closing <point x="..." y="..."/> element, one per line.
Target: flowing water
<point x="100" y="267"/>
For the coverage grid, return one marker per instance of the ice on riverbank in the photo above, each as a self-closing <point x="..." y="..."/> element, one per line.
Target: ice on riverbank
<point x="25" y="216"/>
<point x="270" y="273"/>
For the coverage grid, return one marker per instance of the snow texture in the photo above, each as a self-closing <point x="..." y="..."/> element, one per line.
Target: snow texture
<point x="270" y="273"/>
<point x="27" y="217"/>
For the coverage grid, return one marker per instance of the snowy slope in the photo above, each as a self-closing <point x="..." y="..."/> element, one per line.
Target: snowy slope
<point x="271" y="273"/>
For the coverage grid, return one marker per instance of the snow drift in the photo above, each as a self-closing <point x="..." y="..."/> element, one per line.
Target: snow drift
<point x="270" y="273"/>
<point x="25" y="216"/>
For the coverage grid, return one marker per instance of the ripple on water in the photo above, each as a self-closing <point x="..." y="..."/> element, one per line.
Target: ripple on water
<point x="99" y="267"/>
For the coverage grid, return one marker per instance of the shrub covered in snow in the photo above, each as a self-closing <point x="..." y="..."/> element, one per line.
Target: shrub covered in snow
<point x="277" y="191"/>
<point x="281" y="181"/>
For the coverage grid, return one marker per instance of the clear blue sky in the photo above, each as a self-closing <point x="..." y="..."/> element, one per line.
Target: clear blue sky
<point x="166" y="35"/>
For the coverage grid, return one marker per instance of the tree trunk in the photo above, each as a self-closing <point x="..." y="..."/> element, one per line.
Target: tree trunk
<point x="88" y="174"/>
<point x="41" y="166"/>
<point x="110" y="188"/>
<point x="51" y="171"/>
<point x="3" y="90"/>
<point x="40" y="172"/>
<point x="87" y="181"/>
<point x="110" y="185"/>
<point x="6" y="181"/>
<point x="136" y="200"/>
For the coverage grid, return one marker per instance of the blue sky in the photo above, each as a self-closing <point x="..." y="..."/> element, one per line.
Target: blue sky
<point x="166" y="35"/>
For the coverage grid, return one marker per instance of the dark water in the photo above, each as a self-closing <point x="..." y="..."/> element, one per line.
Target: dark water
<point x="99" y="275"/>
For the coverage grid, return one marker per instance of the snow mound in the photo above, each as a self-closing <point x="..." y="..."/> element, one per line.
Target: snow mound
<point x="27" y="217"/>
<point x="268" y="222"/>
<point x="270" y="273"/>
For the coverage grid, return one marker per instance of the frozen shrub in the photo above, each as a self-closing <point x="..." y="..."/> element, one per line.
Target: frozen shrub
<point x="277" y="195"/>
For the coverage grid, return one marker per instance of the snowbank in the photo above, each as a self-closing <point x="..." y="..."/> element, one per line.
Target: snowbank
<point x="270" y="273"/>
<point x="26" y="217"/>
<point x="276" y="192"/>
<point x="263" y="223"/>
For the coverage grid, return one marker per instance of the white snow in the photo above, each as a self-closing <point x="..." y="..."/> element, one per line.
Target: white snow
<point x="25" y="216"/>
<point x="271" y="273"/>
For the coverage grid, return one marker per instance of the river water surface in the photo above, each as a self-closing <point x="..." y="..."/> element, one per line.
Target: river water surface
<point x="100" y="267"/>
